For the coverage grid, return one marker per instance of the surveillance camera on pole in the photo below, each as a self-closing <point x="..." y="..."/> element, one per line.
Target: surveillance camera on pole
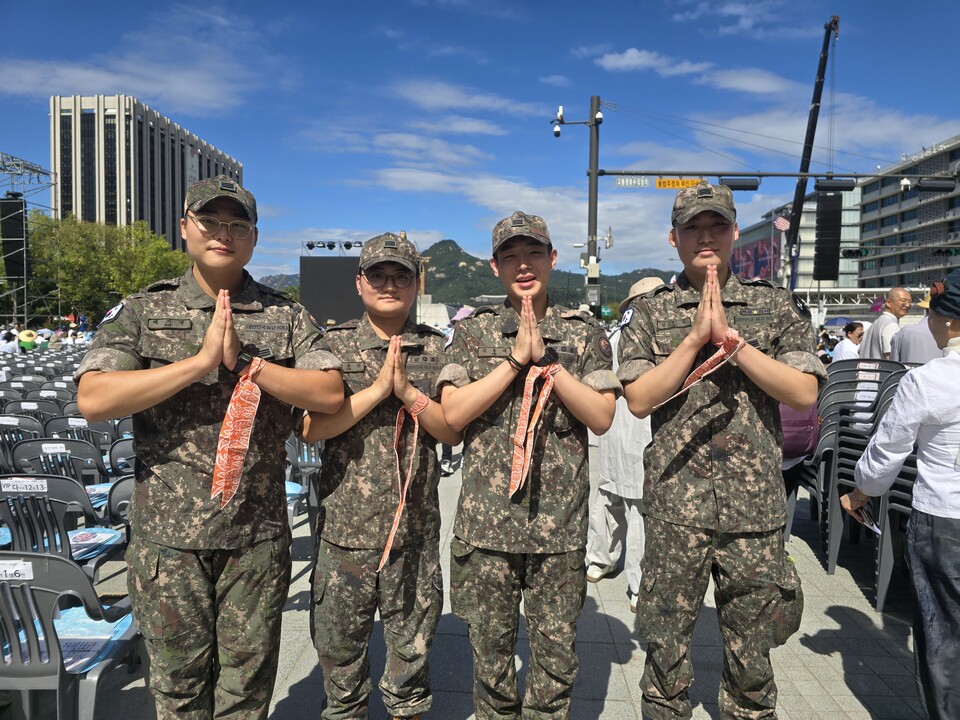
<point x="556" y="130"/>
<point x="904" y="184"/>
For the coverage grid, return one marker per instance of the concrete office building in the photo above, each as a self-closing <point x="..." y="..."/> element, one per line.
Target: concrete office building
<point x="907" y="234"/>
<point x="116" y="161"/>
<point x="760" y="250"/>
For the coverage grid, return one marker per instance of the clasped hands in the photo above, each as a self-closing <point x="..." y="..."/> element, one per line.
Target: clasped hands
<point x="221" y="345"/>
<point x="392" y="378"/>
<point x="528" y="347"/>
<point x="710" y="323"/>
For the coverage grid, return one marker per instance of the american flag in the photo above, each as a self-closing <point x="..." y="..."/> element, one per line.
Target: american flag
<point x="781" y="223"/>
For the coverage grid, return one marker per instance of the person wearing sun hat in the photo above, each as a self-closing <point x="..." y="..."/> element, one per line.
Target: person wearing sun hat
<point x="913" y="344"/>
<point x="924" y="412"/>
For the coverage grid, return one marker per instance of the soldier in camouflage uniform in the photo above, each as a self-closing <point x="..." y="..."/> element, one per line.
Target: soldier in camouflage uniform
<point x="528" y="546"/>
<point x="388" y="364"/>
<point x="208" y="582"/>
<point x="713" y="496"/>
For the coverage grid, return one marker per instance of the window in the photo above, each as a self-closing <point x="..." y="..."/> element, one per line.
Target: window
<point x="890" y="200"/>
<point x="871" y="206"/>
<point x="110" y="169"/>
<point x="88" y="166"/>
<point x="66" y="164"/>
<point x="910" y="215"/>
<point x="871" y="187"/>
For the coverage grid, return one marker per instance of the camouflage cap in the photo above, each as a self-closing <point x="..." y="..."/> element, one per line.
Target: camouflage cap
<point x="390" y="248"/>
<point x="701" y="197"/>
<point x="520" y="225"/>
<point x="203" y="191"/>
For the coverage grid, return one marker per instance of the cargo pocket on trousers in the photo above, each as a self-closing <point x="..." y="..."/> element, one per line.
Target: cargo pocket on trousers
<point x="143" y="566"/>
<point x="787" y="609"/>
<point x="464" y="585"/>
<point x="650" y="607"/>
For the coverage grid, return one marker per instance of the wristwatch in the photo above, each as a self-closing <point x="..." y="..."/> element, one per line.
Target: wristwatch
<point x="550" y="356"/>
<point x="246" y="356"/>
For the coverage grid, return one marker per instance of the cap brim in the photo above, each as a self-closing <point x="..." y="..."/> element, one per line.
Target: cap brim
<point x="197" y="206"/>
<point x="698" y="208"/>
<point x="539" y="238"/>
<point x="389" y="258"/>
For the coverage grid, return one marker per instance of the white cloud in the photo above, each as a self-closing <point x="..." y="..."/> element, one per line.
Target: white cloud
<point x="438" y="95"/>
<point x="634" y="59"/>
<point x="750" y="80"/>
<point x="459" y="125"/>
<point x="556" y="80"/>
<point x="421" y="150"/>
<point x="169" y="64"/>
<point x="587" y="51"/>
<point x="757" y="19"/>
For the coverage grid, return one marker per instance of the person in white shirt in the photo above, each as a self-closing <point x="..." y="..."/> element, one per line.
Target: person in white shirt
<point x="876" y="340"/>
<point x="925" y="412"/>
<point x="915" y="344"/>
<point x="849" y="347"/>
<point x="8" y="343"/>
<point x="616" y="519"/>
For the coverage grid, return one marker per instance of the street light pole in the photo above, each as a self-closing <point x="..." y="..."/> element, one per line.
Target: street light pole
<point x="591" y="259"/>
<point x="593" y="174"/>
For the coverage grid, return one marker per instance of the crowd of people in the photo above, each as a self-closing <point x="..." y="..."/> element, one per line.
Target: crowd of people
<point x="217" y="371"/>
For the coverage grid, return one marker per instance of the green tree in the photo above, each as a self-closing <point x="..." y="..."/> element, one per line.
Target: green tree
<point x="93" y="265"/>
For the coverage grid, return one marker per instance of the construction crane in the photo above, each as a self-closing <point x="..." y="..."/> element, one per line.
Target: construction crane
<point x="793" y="232"/>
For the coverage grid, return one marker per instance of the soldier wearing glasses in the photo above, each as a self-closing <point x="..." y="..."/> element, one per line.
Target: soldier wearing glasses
<point x="379" y="544"/>
<point x="209" y="574"/>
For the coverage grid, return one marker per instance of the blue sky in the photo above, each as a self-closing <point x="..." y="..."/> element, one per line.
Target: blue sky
<point x="432" y="116"/>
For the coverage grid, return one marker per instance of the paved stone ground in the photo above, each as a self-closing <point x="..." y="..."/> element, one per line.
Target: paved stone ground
<point x="847" y="661"/>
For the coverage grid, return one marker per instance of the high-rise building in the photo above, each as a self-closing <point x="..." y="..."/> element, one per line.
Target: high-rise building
<point x="759" y="252"/>
<point x="116" y="161"/>
<point x="909" y="235"/>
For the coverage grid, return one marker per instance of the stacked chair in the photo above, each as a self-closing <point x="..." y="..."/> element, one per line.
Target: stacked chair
<point x="851" y="405"/>
<point x="63" y="514"/>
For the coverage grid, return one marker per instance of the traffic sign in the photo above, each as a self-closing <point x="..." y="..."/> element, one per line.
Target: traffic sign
<point x="676" y="183"/>
<point x="633" y="181"/>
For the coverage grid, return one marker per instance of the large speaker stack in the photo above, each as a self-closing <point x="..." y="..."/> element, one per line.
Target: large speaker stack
<point x="826" y="256"/>
<point x="13" y="236"/>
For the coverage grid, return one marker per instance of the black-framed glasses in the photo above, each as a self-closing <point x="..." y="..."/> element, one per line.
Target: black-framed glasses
<point x="210" y="225"/>
<point x="400" y="279"/>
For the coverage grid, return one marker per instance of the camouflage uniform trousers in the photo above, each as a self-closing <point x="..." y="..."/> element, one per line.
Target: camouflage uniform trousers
<point x="211" y="619"/>
<point x="347" y="592"/>
<point x="759" y="604"/>
<point x="486" y="587"/>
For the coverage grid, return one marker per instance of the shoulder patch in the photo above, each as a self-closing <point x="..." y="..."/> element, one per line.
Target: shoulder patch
<point x="603" y="346"/>
<point x="110" y="315"/>
<point x="627" y="317"/>
<point x="799" y="306"/>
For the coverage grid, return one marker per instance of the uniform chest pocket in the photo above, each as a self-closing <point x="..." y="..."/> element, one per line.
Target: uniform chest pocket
<point x="668" y="340"/>
<point x="355" y="375"/>
<point x="422" y="370"/>
<point x="163" y="348"/>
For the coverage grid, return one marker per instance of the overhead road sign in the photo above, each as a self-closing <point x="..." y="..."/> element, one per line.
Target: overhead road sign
<point x="676" y="183"/>
<point x="633" y="181"/>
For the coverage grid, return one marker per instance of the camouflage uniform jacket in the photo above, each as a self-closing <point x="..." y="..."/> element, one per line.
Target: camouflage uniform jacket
<point x="176" y="440"/>
<point x="358" y="478"/>
<point x="715" y="458"/>
<point x="549" y="514"/>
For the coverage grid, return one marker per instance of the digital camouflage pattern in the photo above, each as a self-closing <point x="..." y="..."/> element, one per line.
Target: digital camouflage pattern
<point x="549" y="514"/>
<point x="486" y="587"/>
<point x="358" y="478"/>
<point x="703" y="197"/>
<point x="759" y="605"/>
<point x="177" y="438"/>
<point x="203" y="191"/>
<point x="347" y="592"/>
<point x="390" y="248"/>
<point x="520" y="225"/>
<point x="715" y="457"/>
<point x="193" y="642"/>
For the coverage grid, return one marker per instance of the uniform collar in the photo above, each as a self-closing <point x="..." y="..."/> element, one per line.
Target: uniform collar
<point x="511" y="321"/>
<point x="733" y="293"/>
<point x="194" y="297"/>
<point x="369" y="340"/>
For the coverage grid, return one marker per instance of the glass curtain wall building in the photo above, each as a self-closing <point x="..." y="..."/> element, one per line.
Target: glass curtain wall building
<point x="116" y="161"/>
